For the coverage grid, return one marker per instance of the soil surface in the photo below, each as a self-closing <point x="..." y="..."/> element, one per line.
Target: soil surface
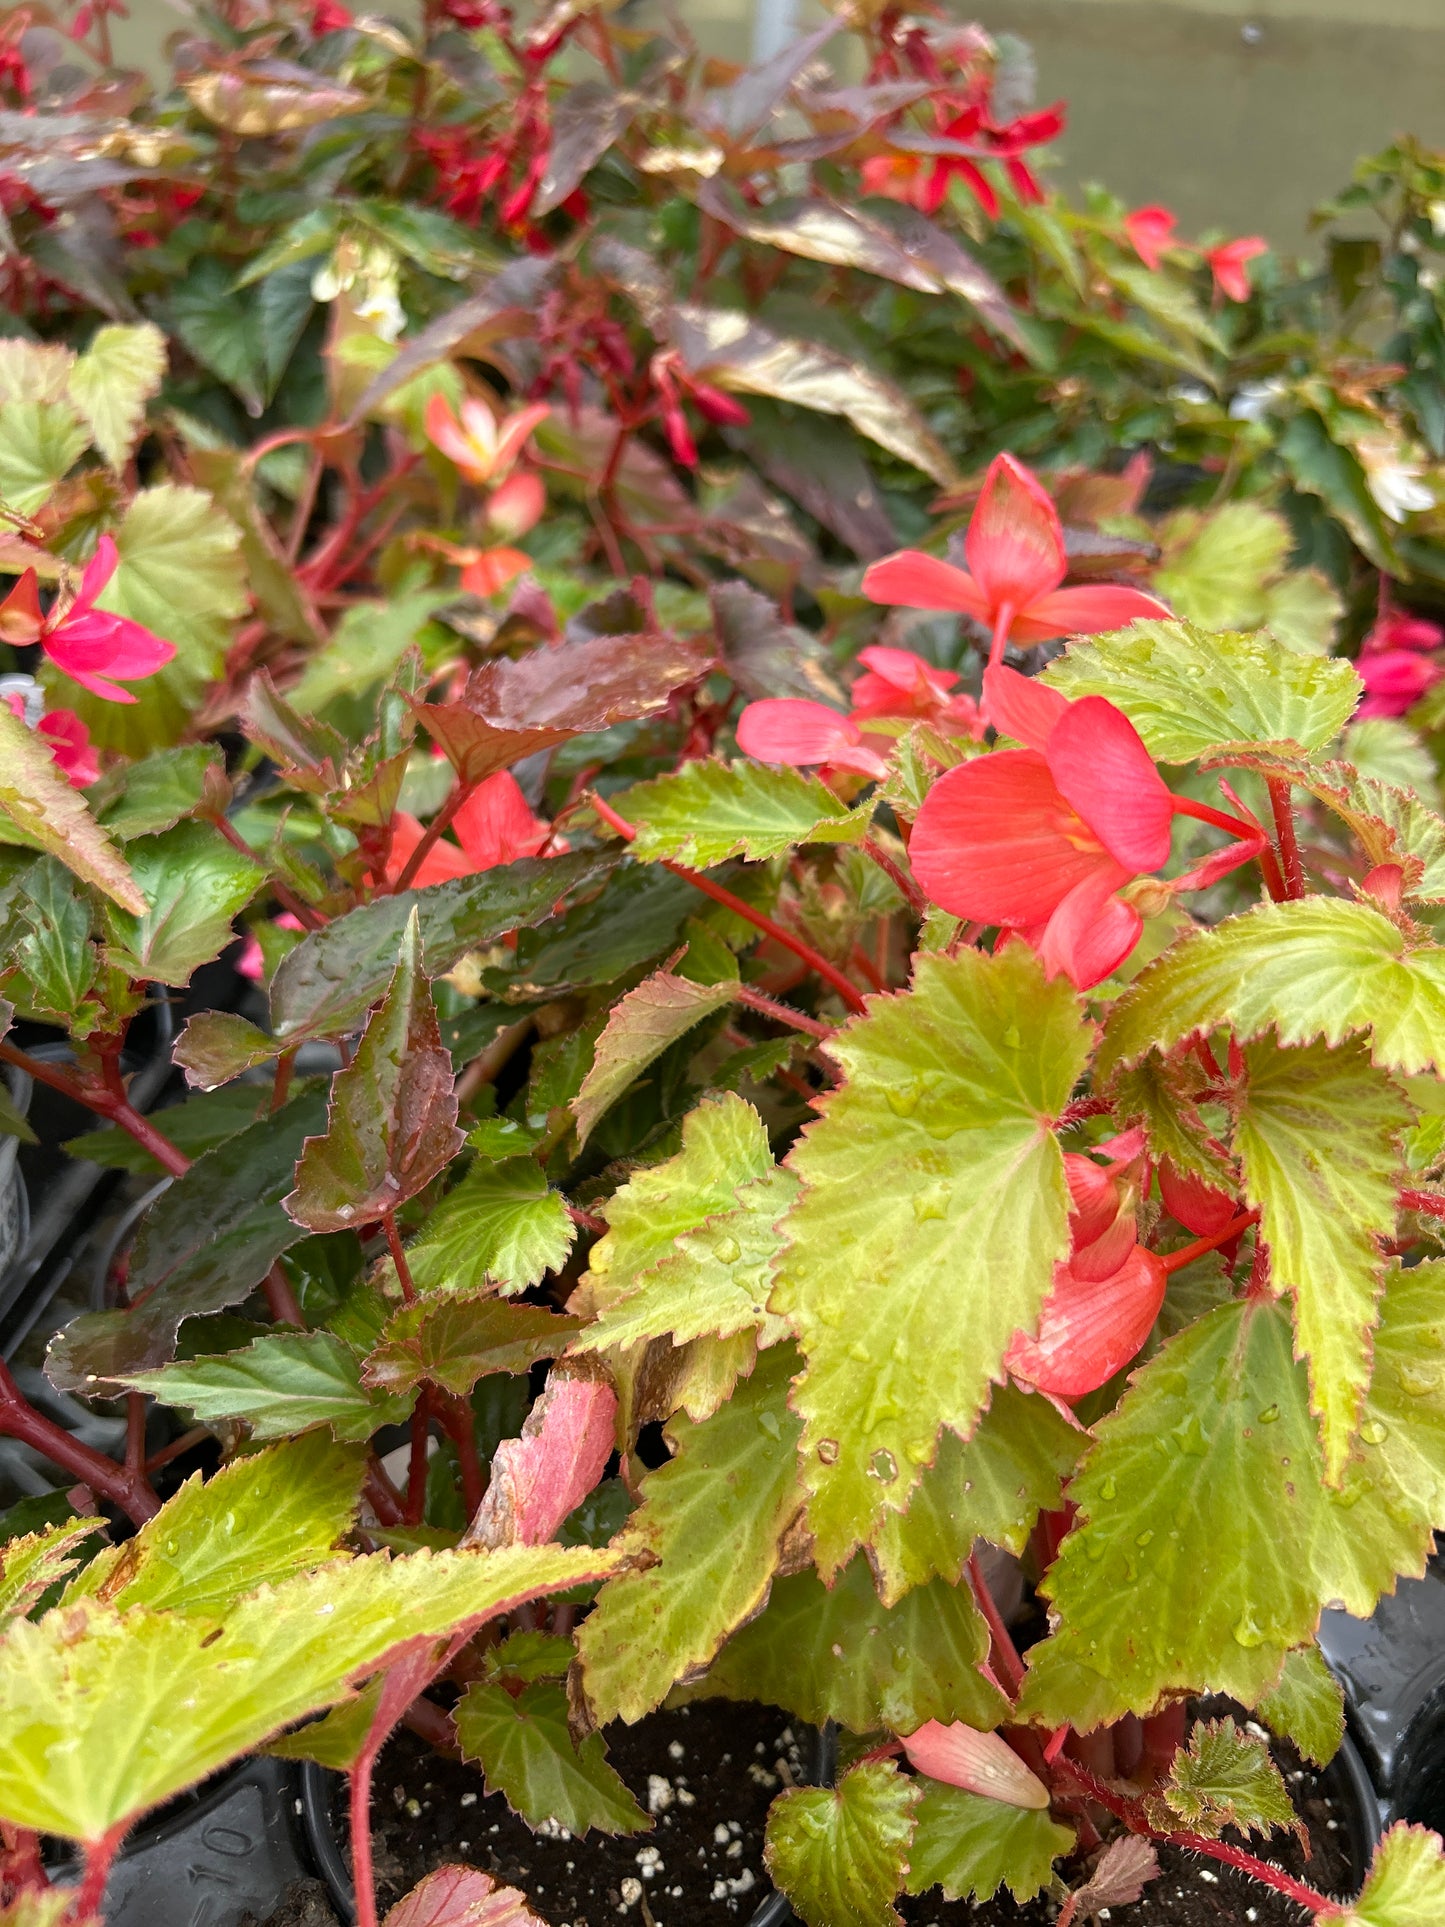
<point x="708" y="1772"/>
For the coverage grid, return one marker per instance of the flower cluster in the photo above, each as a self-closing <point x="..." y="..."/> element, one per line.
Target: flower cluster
<point x="1399" y="662"/>
<point x="1150" y="231"/>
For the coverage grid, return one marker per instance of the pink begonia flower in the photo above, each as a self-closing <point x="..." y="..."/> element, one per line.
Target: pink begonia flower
<point x="791" y="730"/>
<point x="85" y="643"/>
<point x="1229" y="265"/>
<point x="517" y="505"/>
<point x="488" y="571"/>
<point x="1393" y="663"/>
<point x="1016" y="562"/>
<point x="251" y="962"/>
<point x="1150" y="231"/>
<point x="493" y="826"/>
<point x="483" y="446"/>
<point x="67" y="738"/>
<point x="896" y="683"/>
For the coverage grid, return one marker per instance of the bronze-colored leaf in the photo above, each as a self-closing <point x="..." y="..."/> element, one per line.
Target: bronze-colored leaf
<point x="820" y="230"/>
<point x="259" y="102"/>
<point x="585" y="124"/>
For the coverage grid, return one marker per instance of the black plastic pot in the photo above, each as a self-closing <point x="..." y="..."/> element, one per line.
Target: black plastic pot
<point x="1392" y="1668"/>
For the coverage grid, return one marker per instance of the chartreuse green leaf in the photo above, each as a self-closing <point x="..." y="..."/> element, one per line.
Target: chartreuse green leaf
<point x="151" y="1701"/>
<point x="712" y="1520"/>
<point x="842" y="1655"/>
<point x="971" y="1846"/>
<point x="456" y="1339"/>
<point x="715" y="1281"/>
<point x="182" y="577"/>
<point x="51" y="815"/>
<point x="1226" y="1778"/>
<point x="113" y="380"/>
<point x="529" y="1756"/>
<point x="706" y="812"/>
<point x="47" y="1908"/>
<point x="993" y="1488"/>
<point x="30" y="1565"/>
<point x="204" y="1245"/>
<point x="1406" y="1885"/>
<point x="278" y="1384"/>
<point x="40" y="444"/>
<point x="257" y="1521"/>
<point x="1164" y="1096"/>
<point x="1188" y="691"/>
<point x="392" y="1124"/>
<point x="840" y="1853"/>
<point x="1307" y="1706"/>
<point x="502" y="1227"/>
<point x="1315" y="968"/>
<point x="194" y="884"/>
<point x="933" y="1210"/>
<point x="640" y="1027"/>
<point x="338" y="1737"/>
<point x="724" y="1145"/>
<point x="1214" y="1445"/>
<point x="1318" y="1137"/>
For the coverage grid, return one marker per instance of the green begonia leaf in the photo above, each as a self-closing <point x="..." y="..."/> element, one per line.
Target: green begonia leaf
<point x="1225" y="1777"/>
<point x="1307" y="1706"/>
<point x="1188" y="691"/>
<point x="641" y="1025"/>
<point x="971" y="1846"/>
<point x="456" y="1339"/>
<point x="194" y="884"/>
<point x="502" y="1226"/>
<point x="706" y="812"/>
<point x="40" y="802"/>
<point x="1406" y="1885"/>
<point x="933" y="1169"/>
<point x="112" y="381"/>
<point x="840" y="1853"/>
<point x="147" y="797"/>
<point x="279" y="1384"/>
<point x="524" y="1748"/>
<point x="31" y="1564"/>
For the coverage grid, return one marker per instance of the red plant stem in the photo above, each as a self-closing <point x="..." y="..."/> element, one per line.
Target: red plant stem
<point x="1221" y="819"/>
<point x="586" y="1219"/>
<point x="99" y="1854"/>
<point x="863" y="963"/>
<point x="416" y="1465"/>
<point x="781" y="1013"/>
<point x="433" y="1724"/>
<point x="431" y="835"/>
<point x="847" y="991"/>
<point x="382" y="1495"/>
<point x="900" y="880"/>
<point x="1291" y="868"/>
<point x="176" y="1447"/>
<point x="305" y="502"/>
<point x="1200" y="1046"/>
<point x="1176" y="1260"/>
<point x="1430" y="1202"/>
<point x="281" y="1300"/>
<point x="398" y="1258"/>
<point x="1005" y="1654"/>
<point x="123" y="1487"/>
<point x="287" y="898"/>
<point x="362" y="1876"/>
<point x="1081" y="1108"/>
<point x="108" y="1103"/>
<point x="455" y="1415"/>
<point x="281" y="1079"/>
<point x="1133" y="1818"/>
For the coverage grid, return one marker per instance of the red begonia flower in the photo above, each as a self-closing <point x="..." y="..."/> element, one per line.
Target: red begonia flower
<point x="1150" y="231"/>
<point x="1395" y="680"/>
<point x="493" y="826"/>
<point x="517" y="505"/>
<point x="85" y="643"/>
<point x="1016" y="561"/>
<point x="1230" y="265"/>
<point x="1040" y="839"/>
<point x="1090" y="1328"/>
<point x="67" y="739"/>
<point x="1201" y="1208"/>
<point x="897" y="683"/>
<point x="481" y="445"/>
<point x="252" y="962"/>
<point x="791" y="730"/>
<point x="982" y="1763"/>
<point x="490" y="570"/>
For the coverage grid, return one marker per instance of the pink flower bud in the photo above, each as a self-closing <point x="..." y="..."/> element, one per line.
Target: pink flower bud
<point x="981" y="1763"/>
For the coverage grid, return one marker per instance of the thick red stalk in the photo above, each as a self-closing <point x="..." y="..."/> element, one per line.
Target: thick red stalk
<point x="398" y="1258"/>
<point x="847" y="991"/>
<point x="781" y="1013"/>
<point x="362" y="1876"/>
<point x="105" y="1103"/>
<point x="1430" y="1202"/>
<point x="99" y="1856"/>
<point x="431" y="835"/>
<point x="281" y="1300"/>
<point x="1291" y="868"/>
<point x="125" y="1488"/>
<point x="900" y="880"/>
<point x="417" y="1463"/>
<point x="1007" y="1663"/>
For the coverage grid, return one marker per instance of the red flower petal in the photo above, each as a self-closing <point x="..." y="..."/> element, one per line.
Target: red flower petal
<point x="913" y="580"/>
<point x="1084" y="611"/>
<point x="495" y="825"/>
<point x="981" y="1763"/>
<point x="1092" y="931"/>
<point x="898" y="683"/>
<point x="995" y="840"/>
<point x="1020" y="706"/>
<point x="1201" y="1208"/>
<point x="489" y="572"/>
<point x="1093" y="1197"/>
<point x="791" y="730"/>
<point x="1090" y="1328"/>
<point x="98" y="571"/>
<point x="1102" y="768"/>
<point x="1150" y="231"/>
<point x="1014" y="544"/>
<point x="443" y="862"/>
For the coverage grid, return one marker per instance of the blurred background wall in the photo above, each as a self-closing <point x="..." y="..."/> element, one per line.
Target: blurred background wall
<point x="1236" y="115"/>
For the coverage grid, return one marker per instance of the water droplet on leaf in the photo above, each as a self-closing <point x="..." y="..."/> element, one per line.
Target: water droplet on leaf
<point x="728" y="1249"/>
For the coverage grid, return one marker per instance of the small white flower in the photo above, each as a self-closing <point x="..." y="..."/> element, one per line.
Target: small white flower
<point x="1398" y="490"/>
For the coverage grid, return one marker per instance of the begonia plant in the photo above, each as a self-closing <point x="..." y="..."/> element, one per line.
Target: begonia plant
<point x="781" y="795"/>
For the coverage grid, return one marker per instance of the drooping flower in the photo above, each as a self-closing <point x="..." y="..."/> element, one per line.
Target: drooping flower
<point x="85" y="643"/>
<point x="484" y="446"/>
<point x="1395" y="663"/>
<point x="1230" y="265"/>
<point x="791" y="730"/>
<point x="493" y="826"/>
<point x="982" y="1763"/>
<point x="67" y="738"/>
<point x="1016" y="562"/>
<point x="1106" y="1295"/>
<point x="1150" y="231"/>
<point x="488" y="571"/>
<point x="1200" y="1207"/>
<point x="921" y="179"/>
<point x="517" y="505"/>
<point x="674" y="380"/>
<point x="895" y="682"/>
